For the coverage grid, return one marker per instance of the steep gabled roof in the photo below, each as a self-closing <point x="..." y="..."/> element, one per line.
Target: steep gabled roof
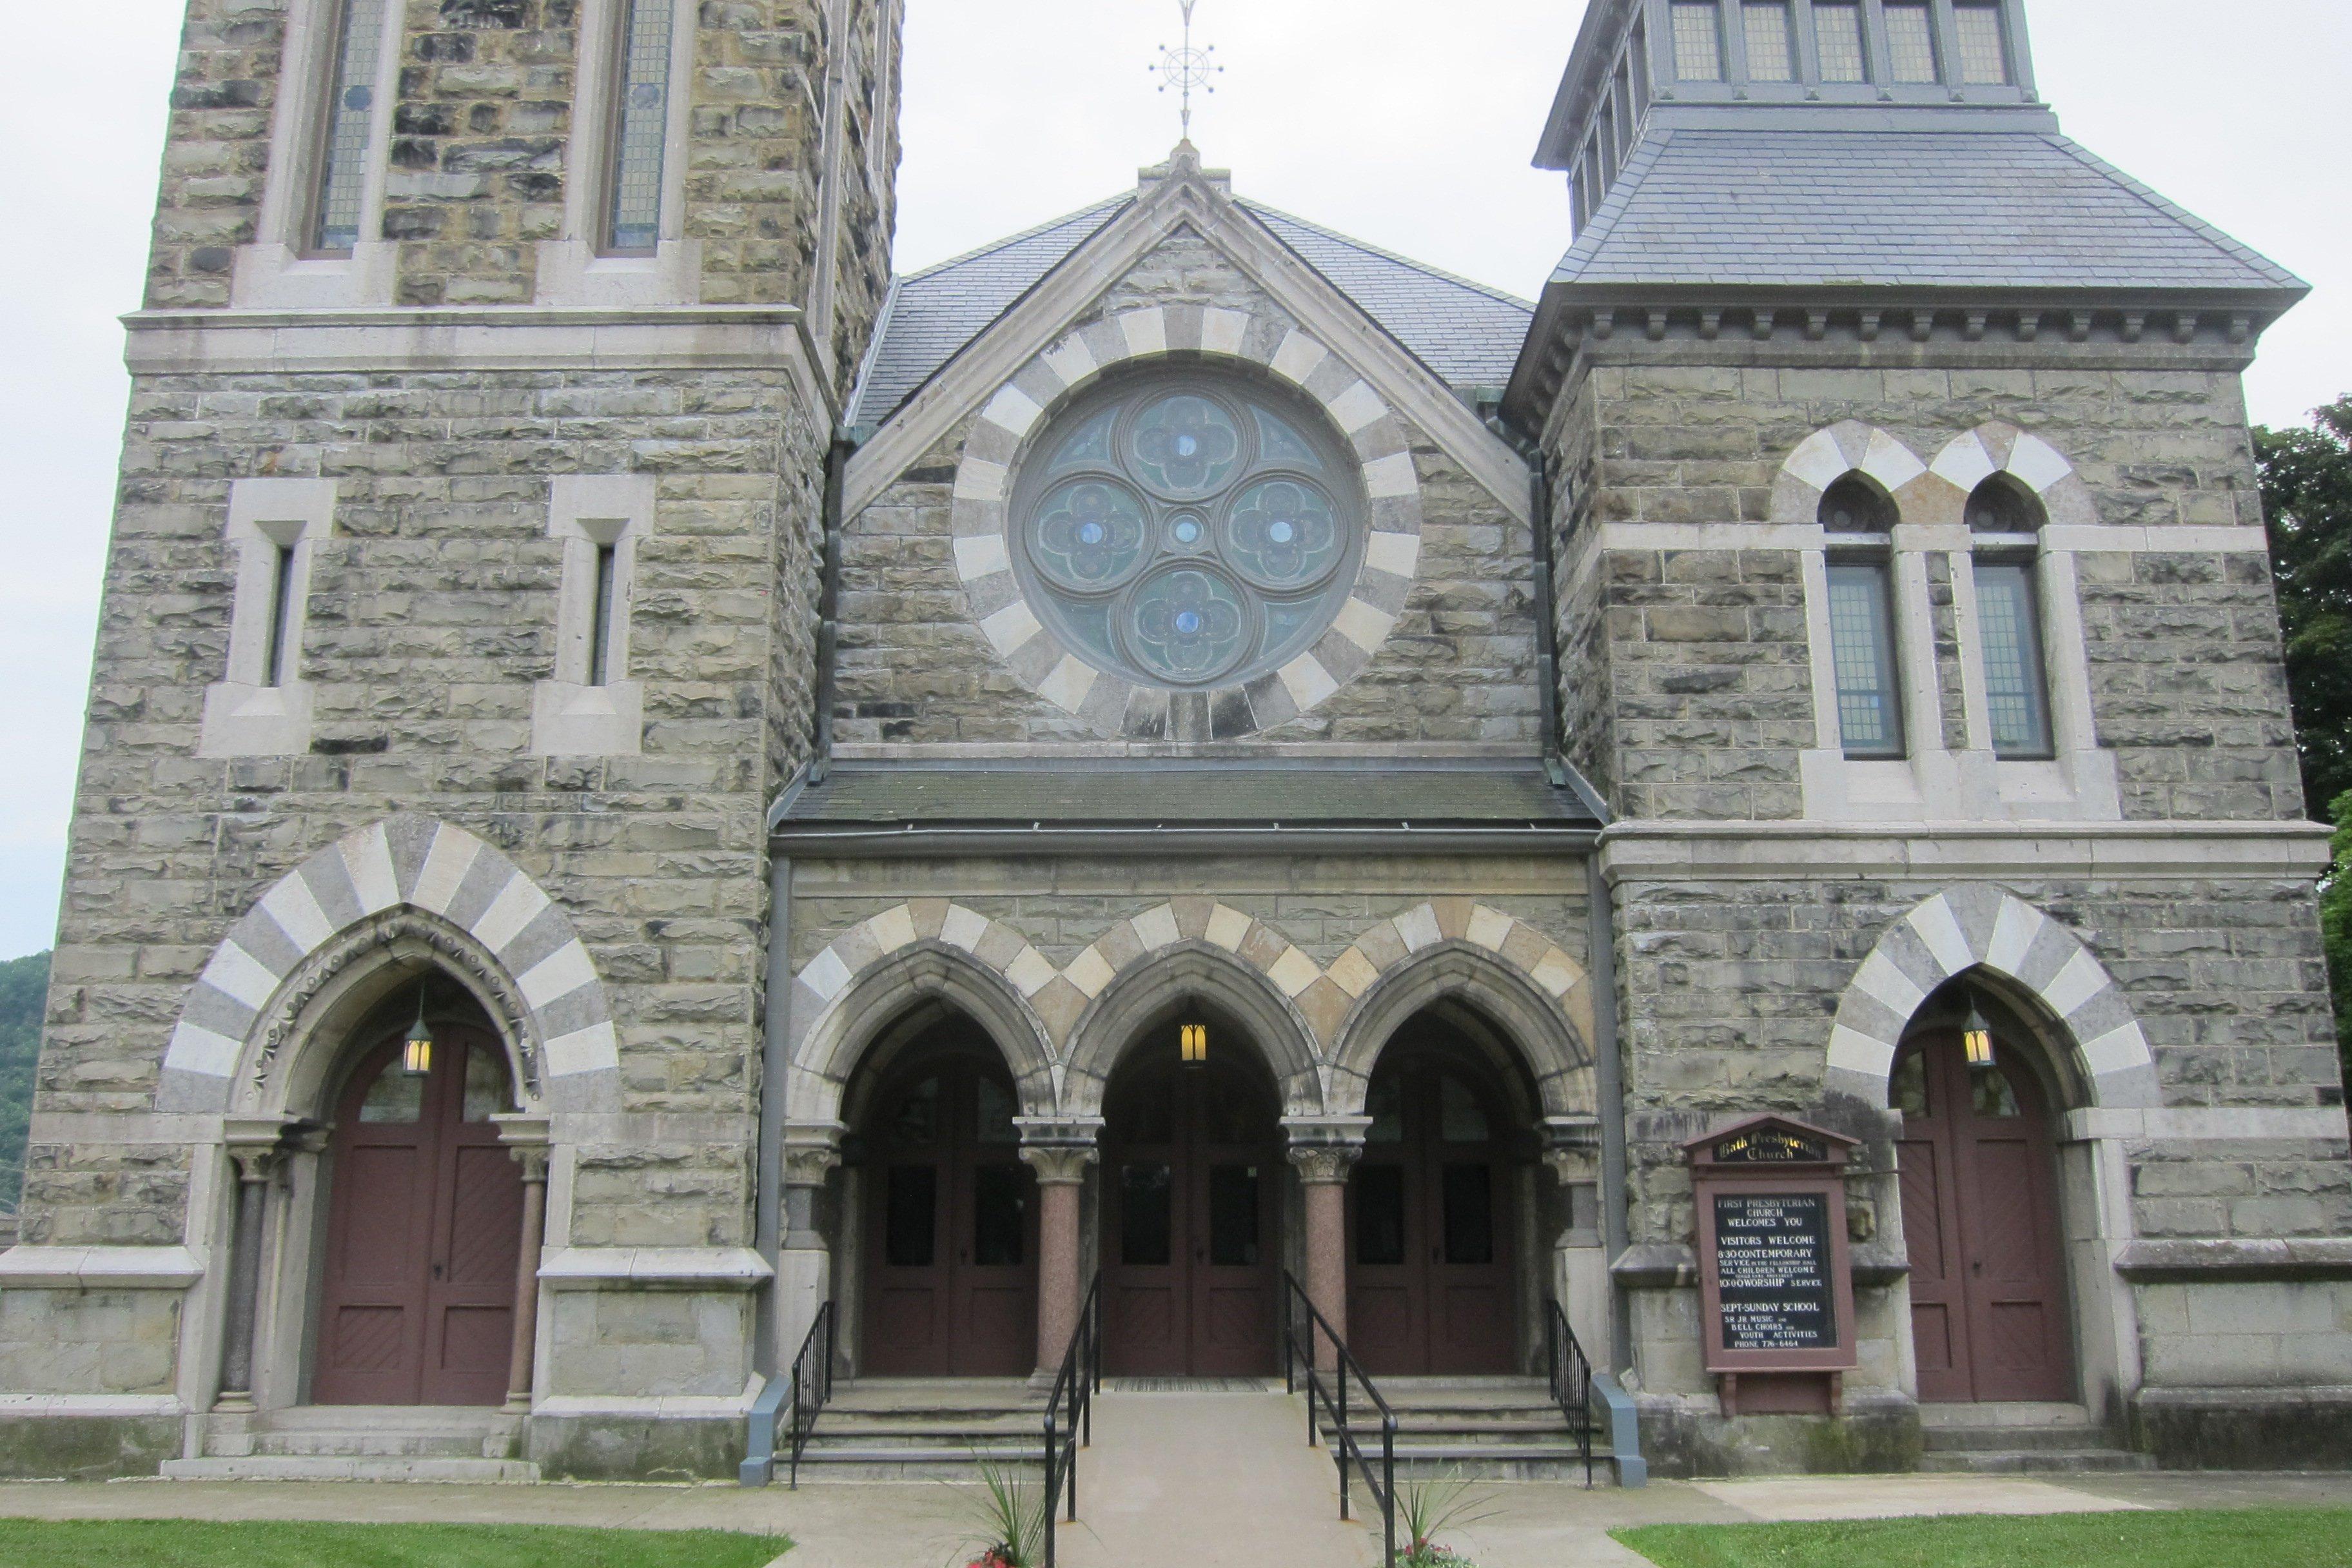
<point x="931" y="314"/>
<point x="1924" y="209"/>
<point x="1467" y="334"/>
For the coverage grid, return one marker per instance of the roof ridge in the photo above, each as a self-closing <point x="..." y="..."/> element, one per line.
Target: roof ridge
<point x="2235" y="248"/>
<point x="1423" y="268"/>
<point x="1106" y="207"/>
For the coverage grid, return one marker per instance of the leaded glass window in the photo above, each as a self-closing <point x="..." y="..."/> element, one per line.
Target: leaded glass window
<point x="1984" y="52"/>
<point x="1698" y="41"/>
<point x="1771" y="56"/>
<point x="640" y="126"/>
<point x="1838" y="31"/>
<point x="1910" y="40"/>
<point x="2017" y="687"/>
<point x="1189" y="531"/>
<point x="350" y="126"/>
<point x="1862" y="648"/>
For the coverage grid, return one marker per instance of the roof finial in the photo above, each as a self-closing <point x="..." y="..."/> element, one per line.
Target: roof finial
<point x="1185" y="68"/>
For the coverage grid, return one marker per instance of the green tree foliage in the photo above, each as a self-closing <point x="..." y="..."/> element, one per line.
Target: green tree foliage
<point x="24" y="993"/>
<point x="2307" y="499"/>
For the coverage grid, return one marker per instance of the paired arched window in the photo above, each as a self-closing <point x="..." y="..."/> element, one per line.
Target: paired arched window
<point x="1860" y="516"/>
<point x="2005" y="519"/>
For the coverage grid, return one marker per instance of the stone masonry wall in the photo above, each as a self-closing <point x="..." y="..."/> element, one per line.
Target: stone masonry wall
<point x="431" y="616"/>
<point x="1706" y="682"/>
<point x="1731" y="985"/>
<point x="217" y="150"/>
<point x="1458" y="667"/>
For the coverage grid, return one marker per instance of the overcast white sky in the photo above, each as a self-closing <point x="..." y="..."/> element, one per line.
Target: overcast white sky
<point x="1406" y="123"/>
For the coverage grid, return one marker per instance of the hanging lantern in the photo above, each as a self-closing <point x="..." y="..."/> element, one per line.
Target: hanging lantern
<point x="1976" y="1037"/>
<point x="1192" y="1044"/>
<point x="416" y="1046"/>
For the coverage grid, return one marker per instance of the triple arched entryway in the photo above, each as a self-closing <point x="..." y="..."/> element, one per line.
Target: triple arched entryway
<point x="1192" y="1143"/>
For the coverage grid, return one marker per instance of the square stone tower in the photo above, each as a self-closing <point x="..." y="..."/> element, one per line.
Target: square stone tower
<point x="1916" y="621"/>
<point x="459" y="624"/>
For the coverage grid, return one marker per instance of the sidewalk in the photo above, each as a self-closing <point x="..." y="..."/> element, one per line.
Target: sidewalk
<point x="1212" y="1481"/>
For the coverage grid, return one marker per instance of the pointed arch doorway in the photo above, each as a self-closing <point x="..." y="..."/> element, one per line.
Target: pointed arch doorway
<point x="1191" y="1158"/>
<point x="1979" y="1171"/>
<point x="1431" y="1282"/>
<point x="424" y="1230"/>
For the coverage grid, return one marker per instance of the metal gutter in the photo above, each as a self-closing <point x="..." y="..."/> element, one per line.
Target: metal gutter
<point x="1609" y="1090"/>
<point x="1164" y="840"/>
<point x="828" y="604"/>
<point x="767" y="1203"/>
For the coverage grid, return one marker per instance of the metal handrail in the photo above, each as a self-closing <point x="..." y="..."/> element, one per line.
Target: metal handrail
<point x="1334" y="1403"/>
<point x="1569" y="1371"/>
<point x="791" y="1405"/>
<point x="1075" y="1386"/>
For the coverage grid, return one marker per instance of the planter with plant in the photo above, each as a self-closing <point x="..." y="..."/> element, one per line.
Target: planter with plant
<point x="1427" y="1508"/>
<point x="1009" y="1517"/>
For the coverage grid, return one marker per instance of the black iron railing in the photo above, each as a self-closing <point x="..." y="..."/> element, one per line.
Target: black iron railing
<point x="1070" y="1412"/>
<point x="1570" y="1374"/>
<point x="1304" y="1331"/>
<point x="786" y="1410"/>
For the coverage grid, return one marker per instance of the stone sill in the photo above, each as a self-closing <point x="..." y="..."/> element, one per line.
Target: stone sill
<point x="99" y="1269"/>
<point x="88" y="1406"/>
<point x="653" y="1267"/>
<point x="2231" y="1260"/>
<point x="648" y="1408"/>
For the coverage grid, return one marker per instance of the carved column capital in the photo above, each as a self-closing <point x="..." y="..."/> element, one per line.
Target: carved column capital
<point x="258" y="1144"/>
<point x="811" y="1151"/>
<point x="1059" y="1164"/>
<point x="1325" y="1163"/>
<point x="1571" y="1147"/>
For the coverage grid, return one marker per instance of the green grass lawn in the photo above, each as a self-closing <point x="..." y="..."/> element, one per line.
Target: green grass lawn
<point x="182" y="1543"/>
<point x="2254" y="1538"/>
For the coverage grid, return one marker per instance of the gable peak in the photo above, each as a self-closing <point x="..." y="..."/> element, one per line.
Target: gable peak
<point x="1182" y="167"/>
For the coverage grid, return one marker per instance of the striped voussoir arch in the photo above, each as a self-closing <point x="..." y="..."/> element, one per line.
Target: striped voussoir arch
<point x="1985" y="928"/>
<point x="406" y="865"/>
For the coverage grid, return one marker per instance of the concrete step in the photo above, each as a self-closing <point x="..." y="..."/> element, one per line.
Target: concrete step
<point x="2008" y="1439"/>
<point x="868" y="1463"/>
<point x="349" y="1468"/>
<point x="318" y="1444"/>
<point x="2033" y="1461"/>
<point x="1497" y="1462"/>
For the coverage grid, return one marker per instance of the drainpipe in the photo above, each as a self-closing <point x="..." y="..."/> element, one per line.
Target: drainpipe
<point x="1609" y="1090"/>
<point x="1547" y="616"/>
<point x="767" y="1223"/>
<point x="828" y="606"/>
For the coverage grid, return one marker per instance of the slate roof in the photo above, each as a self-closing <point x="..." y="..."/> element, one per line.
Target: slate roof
<point x="1939" y="209"/>
<point x="1470" y="335"/>
<point x="1173" y="794"/>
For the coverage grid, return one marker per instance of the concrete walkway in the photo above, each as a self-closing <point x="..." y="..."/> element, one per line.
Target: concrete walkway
<point x="1209" y="1480"/>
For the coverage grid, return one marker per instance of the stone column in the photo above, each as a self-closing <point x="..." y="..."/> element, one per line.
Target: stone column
<point x="1323" y="1166"/>
<point x="256" y="1146"/>
<point x="804" y="1258"/>
<point x="526" y="1138"/>
<point x="1060" y="1160"/>
<point x="1579" y="1277"/>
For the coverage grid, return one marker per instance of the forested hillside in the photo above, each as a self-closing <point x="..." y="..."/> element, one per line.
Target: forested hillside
<point x="24" y="986"/>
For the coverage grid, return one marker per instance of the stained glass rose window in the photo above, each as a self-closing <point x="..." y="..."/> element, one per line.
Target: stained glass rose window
<point x="1188" y="531"/>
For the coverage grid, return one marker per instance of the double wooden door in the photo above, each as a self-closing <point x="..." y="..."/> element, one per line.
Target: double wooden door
<point x="1429" y="1266"/>
<point x="1981" y="1220"/>
<point x="951" y="1272"/>
<point x="1191" y="1222"/>
<point x="423" y="1234"/>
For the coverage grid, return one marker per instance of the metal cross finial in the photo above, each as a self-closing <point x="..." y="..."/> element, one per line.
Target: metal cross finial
<point x="1185" y="68"/>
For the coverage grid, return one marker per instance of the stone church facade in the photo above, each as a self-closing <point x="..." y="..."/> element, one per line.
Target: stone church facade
<point x="656" y="796"/>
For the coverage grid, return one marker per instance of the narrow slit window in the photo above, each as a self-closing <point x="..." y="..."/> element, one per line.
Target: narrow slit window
<point x="1862" y="648"/>
<point x="1910" y="40"/>
<point x="350" y="127"/>
<point x="2017" y="684"/>
<point x="1639" y="54"/>
<point x="1771" y="55"/>
<point x="640" y="127"/>
<point x="1624" y="110"/>
<point x="1838" y="29"/>
<point x="600" y="629"/>
<point x="1984" y="47"/>
<point x="1698" y="41"/>
<point x="277" y="656"/>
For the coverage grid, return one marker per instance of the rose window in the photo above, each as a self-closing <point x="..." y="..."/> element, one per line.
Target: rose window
<point x="1188" y="533"/>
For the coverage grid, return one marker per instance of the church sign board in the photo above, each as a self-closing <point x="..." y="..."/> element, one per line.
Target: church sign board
<point x="1774" y="1282"/>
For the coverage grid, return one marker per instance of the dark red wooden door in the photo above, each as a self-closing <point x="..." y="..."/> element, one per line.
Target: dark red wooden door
<point x="951" y="1276"/>
<point x="1189" y="1222"/>
<point x="1429" y="1267"/>
<point x="1988" y="1296"/>
<point x="423" y="1234"/>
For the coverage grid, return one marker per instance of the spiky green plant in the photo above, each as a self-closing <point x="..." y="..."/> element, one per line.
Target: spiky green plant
<point x="1426" y="1509"/>
<point x="1009" y="1514"/>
